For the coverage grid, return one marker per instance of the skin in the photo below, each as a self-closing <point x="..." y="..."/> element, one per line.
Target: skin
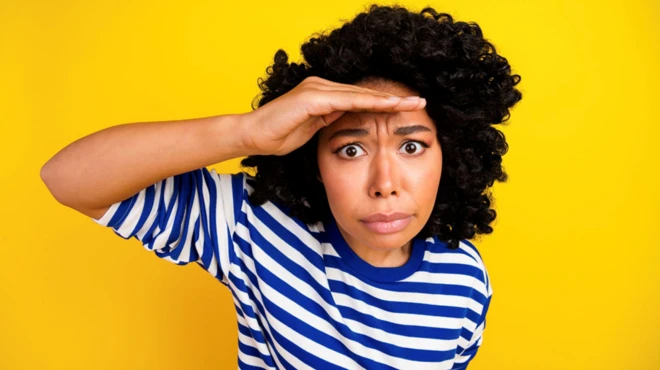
<point x="380" y="172"/>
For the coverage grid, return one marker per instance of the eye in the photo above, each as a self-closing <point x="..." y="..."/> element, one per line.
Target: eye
<point x="410" y="147"/>
<point x="352" y="150"/>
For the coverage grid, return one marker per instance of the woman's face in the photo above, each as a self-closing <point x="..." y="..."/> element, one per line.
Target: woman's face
<point x="392" y="164"/>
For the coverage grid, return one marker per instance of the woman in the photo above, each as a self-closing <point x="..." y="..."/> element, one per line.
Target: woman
<point x="348" y="248"/>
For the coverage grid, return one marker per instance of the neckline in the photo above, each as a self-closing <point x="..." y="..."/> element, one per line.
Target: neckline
<point x="363" y="268"/>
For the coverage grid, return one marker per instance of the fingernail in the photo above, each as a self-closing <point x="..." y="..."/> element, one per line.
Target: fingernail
<point x="412" y="97"/>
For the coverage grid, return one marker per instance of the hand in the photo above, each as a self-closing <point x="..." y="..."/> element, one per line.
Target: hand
<point x="286" y="123"/>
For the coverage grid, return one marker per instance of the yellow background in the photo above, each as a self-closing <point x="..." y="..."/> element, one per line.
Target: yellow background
<point x="573" y="259"/>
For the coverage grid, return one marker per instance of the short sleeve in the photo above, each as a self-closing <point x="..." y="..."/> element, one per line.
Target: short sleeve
<point x="184" y="218"/>
<point x="467" y="353"/>
<point x="464" y="358"/>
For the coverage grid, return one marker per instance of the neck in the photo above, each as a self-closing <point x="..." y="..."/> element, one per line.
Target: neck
<point x="391" y="258"/>
<point x="379" y="258"/>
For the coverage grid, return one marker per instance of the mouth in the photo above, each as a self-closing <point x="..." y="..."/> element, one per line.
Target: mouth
<point x="388" y="227"/>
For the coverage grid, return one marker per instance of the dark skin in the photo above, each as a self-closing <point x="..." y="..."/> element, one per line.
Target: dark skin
<point x="393" y="164"/>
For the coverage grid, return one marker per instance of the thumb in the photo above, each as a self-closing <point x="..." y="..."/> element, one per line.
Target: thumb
<point x="329" y="118"/>
<point x="325" y="120"/>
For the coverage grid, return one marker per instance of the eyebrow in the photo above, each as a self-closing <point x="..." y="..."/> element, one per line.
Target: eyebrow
<point x="359" y="132"/>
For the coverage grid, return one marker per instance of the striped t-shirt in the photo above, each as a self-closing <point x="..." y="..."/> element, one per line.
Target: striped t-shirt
<point x="303" y="298"/>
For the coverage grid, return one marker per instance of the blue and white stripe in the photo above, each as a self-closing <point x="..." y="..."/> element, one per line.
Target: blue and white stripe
<point x="302" y="299"/>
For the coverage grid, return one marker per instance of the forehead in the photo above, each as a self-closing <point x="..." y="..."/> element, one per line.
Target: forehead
<point x="394" y="119"/>
<point x="389" y="86"/>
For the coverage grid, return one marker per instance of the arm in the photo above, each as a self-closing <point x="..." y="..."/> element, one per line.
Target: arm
<point x="115" y="163"/>
<point x="483" y="295"/>
<point x="468" y="354"/>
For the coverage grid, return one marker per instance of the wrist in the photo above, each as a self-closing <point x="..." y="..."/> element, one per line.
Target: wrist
<point x="244" y="131"/>
<point x="227" y="137"/>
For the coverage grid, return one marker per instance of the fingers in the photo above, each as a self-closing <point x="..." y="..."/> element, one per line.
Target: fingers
<point x="329" y="101"/>
<point x="364" y="99"/>
<point x="348" y="88"/>
<point x="403" y="103"/>
<point x="315" y="82"/>
<point x="331" y="85"/>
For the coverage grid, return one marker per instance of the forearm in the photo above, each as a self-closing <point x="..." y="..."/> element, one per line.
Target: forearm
<point x="115" y="163"/>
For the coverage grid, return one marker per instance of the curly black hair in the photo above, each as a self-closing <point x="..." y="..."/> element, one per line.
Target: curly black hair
<point x="467" y="85"/>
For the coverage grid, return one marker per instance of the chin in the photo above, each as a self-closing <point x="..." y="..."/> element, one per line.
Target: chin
<point x="385" y="242"/>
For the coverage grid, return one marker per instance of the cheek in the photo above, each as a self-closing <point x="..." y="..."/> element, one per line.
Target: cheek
<point x="338" y="175"/>
<point x="340" y="185"/>
<point x="425" y="180"/>
<point x="340" y="189"/>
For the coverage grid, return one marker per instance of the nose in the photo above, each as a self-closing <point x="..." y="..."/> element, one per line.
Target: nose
<point x="384" y="176"/>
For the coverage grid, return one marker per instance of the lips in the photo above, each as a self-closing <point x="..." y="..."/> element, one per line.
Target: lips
<point x="381" y="223"/>
<point x="382" y="217"/>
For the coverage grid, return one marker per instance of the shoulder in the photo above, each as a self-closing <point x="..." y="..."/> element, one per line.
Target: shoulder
<point x="465" y="247"/>
<point x="264" y="213"/>
<point x="241" y="179"/>
<point x="466" y="258"/>
<point x="234" y="188"/>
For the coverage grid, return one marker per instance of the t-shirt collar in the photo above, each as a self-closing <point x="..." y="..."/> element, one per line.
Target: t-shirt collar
<point x="361" y="267"/>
